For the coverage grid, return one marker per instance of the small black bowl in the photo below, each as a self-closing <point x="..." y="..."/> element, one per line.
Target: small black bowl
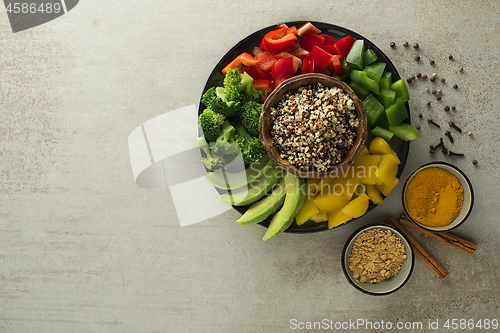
<point x="468" y="196"/>
<point x="387" y="286"/>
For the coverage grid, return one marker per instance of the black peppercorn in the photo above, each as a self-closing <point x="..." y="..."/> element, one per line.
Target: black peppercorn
<point x="408" y="80"/>
<point x="417" y="127"/>
<point x="450" y="57"/>
<point x="419" y="75"/>
<point x="420" y="115"/>
<point x="442" y="80"/>
<point x="428" y="103"/>
<point x="434" y="92"/>
<point x="392" y="44"/>
<point x="474" y="162"/>
<point x="453" y="108"/>
<point x="417" y="57"/>
<point x="415" y="46"/>
<point x="431" y="62"/>
<point x="447" y="108"/>
<point x="455" y="86"/>
<point x="433" y="79"/>
<point x="438" y="98"/>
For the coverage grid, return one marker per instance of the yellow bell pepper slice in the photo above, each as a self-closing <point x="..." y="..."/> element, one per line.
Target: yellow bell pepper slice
<point x="357" y="207"/>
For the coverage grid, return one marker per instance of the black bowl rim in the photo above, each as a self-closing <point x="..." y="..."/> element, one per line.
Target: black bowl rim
<point x="437" y="163"/>
<point x="236" y="49"/>
<point x="357" y="232"/>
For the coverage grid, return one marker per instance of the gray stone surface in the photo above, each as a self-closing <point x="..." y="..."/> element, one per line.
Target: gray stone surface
<point x="85" y="249"/>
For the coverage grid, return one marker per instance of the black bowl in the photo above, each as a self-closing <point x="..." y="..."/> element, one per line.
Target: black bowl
<point x="390" y="285"/>
<point x="247" y="44"/>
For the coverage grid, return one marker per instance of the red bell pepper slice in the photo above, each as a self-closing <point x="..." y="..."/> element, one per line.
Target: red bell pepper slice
<point x="329" y="40"/>
<point x="344" y="45"/>
<point x="256" y="73"/>
<point x="330" y="49"/>
<point x="236" y="63"/>
<point x="297" y="62"/>
<point x="282" y="55"/>
<point x="283" y="68"/>
<point x="334" y="65"/>
<point x="266" y="86"/>
<point x="279" y="45"/>
<point x="321" y="58"/>
<point x="309" y="40"/>
<point x="274" y="34"/>
<point x="291" y="30"/>
<point x="265" y="61"/>
<point x="247" y="59"/>
<point x="308" y="27"/>
<point x="257" y="52"/>
<point x="277" y="82"/>
<point x="299" y="52"/>
<point x="307" y="66"/>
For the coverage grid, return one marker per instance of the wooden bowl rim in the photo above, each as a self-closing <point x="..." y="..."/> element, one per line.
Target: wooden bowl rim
<point x="306" y="79"/>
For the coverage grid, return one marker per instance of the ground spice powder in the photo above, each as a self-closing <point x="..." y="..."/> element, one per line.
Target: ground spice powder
<point x="434" y="197"/>
<point x="377" y="255"/>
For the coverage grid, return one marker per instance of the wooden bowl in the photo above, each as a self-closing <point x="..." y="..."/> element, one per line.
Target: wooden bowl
<point x="291" y="84"/>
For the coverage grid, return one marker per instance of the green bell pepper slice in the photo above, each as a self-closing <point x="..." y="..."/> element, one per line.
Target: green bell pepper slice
<point x="386" y="80"/>
<point x="358" y="90"/>
<point x="401" y="90"/>
<point x="363" y="79"/>
<point x="369" y="57"/>
<point x="396" y="113"/>
<point x="375" y="70"/>
<point x="386" y="97"/>
<point x="383" y="133"/>
<point x="355" y="56"/>
<point x="404" y="131"/>
<point x="374" y="109"/>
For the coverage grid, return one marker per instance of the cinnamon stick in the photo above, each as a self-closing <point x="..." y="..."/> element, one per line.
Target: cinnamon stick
<point x="420" y="251"/>
<point x="446" y="237"/>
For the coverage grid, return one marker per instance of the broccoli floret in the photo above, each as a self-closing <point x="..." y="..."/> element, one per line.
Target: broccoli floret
<point x="227" y="140"/>
<point x="254" y="151"/>
<point x="250" y="115"/>
<point x="229" y="99"/>
<point x="247" y="89"/>
<point x="216" y="100"/>
<point x="232" y="82"/>
<point x="252" y="148"/>
<point x="222" y="104"/>
<point x="210" y="123"/>
<point x="208" y="97"/>
<point x="224" y="150"/>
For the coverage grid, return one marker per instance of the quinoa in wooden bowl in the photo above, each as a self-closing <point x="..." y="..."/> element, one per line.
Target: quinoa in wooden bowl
<point x="313" y="125"/>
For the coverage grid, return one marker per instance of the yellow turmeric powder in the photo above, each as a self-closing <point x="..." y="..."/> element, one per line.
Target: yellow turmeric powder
<point x="434" y="197"/>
